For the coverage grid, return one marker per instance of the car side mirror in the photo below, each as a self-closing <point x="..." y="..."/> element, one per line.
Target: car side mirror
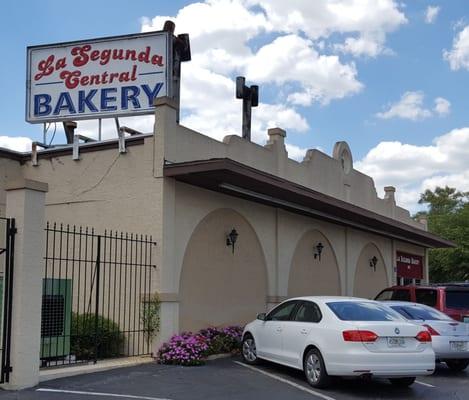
<point x="262" y="316"/>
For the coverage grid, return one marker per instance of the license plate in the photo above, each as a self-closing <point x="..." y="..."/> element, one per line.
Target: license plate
<point x="458" y="346"/>
<point x="396" y="342"/>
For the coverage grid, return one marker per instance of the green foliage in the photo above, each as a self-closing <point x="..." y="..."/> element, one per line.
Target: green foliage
<point x="448" y="217"/>
<point x="84" y="337"/>
<point x="150" y="316"/>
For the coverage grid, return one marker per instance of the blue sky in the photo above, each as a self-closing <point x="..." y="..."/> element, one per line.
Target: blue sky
<point x="378" y="93"/>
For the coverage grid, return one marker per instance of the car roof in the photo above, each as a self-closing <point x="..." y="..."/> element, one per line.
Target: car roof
<point x="401" y="303"/>
<point x="329" y="298"/>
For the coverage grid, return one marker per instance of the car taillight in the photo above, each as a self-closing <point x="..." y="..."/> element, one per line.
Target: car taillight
<point x="432" y="331"/>
<point x="424" y="336"/>
<point x="359" y="336"/>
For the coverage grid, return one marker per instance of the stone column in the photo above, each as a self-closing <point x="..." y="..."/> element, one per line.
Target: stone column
<point x="26" y="203"/>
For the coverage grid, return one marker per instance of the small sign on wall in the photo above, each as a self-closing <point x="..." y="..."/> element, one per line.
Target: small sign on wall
<point x="409" y="265"/>
<point x="107" y="77"/>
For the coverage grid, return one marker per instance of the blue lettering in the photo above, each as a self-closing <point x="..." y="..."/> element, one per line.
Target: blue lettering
<point x="105" y="99"/>
<point x="130" y="93"/>
<point x="151" y="94"/>
<point x="64" y="103"/>
<point x="41" y="105"/>
<point x="86" y="101"/>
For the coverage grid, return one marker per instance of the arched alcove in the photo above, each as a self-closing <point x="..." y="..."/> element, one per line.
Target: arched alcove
<point x="369" y="280"/>
<point x="310" y="275"/>
<point x="219" y="287"/>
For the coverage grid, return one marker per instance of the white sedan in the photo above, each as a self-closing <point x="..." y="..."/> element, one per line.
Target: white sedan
<point x="450" y="338"/>
<point x="340" y="336"/>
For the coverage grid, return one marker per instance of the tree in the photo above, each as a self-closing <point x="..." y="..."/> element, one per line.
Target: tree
<point x="448" y="217"/>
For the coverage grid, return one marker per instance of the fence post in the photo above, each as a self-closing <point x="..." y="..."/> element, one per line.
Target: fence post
<point x="26" y="203"/>
<point x="96" y="314"/>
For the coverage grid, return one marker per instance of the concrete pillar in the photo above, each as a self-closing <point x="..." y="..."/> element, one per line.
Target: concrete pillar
<point x="25" y="202"/>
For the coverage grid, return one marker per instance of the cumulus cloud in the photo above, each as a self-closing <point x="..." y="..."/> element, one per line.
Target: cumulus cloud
<point x="16" y="143"/>
<point x="410" y="106"/>
<point x="458" y="56"/>
<point x="431" y="13"/>
<point x="279" y="44"/>
<point x="413" y="169"/>
<point x="442" y="106"/>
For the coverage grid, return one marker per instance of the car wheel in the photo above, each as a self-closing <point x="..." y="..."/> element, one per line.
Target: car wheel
<point x="457" y="365"/>
<point x="315" y="369"/>
<point x="249" y="351"/>
<point x="403" y="382"/>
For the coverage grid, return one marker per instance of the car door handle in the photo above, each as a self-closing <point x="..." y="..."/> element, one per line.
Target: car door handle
<point x="304" y="332"/>
<point x="279" y="329"/>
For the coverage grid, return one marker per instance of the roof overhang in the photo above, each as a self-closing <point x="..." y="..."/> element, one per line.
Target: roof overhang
<point x="235" y="179"/>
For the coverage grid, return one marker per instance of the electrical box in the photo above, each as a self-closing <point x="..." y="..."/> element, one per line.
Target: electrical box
<point x="56" y="318"/>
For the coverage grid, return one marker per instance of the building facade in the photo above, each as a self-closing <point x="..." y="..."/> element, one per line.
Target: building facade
<point x="303" y="228"/>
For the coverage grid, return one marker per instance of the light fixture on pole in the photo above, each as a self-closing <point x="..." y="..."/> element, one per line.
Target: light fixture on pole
<point x="319" y="247"/>
<point x="231" y="239"/>
<point x="373" y="263"/>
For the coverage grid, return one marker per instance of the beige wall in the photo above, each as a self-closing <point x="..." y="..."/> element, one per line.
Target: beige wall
<point x="310" y="275"/>
<point x="219" y="287"/>
<point x="369" y="281"/>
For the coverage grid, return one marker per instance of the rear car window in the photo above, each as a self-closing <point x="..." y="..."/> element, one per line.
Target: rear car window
<point x="394" y="294"/>
<point x="426" y="296"/>
<point x="420" y="313"/>
<point x="458" y="299"/>
<point x="362" y="311"/>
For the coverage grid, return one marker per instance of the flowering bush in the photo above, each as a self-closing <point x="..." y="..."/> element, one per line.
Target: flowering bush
<point x="183" y="349"/>
<point x="192" y="348"/>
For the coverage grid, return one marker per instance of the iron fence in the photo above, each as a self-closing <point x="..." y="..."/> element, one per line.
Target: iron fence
<point x="96" y="291"/>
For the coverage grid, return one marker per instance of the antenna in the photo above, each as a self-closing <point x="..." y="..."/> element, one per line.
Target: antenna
<point x="250" y="96"/>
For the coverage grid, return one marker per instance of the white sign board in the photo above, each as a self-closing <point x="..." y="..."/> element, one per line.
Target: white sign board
<point x="100" y="78"/>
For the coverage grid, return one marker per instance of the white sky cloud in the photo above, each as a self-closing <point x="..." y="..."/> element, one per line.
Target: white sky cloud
<point x="278" y="43"/>
<point x="413" y="168"/>
<point x="458" y="56"/>
<point x="410" y="106"/>
<point x="17" y="143"/>
<point x="431" y="13"/>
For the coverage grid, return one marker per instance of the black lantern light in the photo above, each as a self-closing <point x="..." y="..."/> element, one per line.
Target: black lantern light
<point x="373" y="263"/>
<point x="231" y="239"/>
<point x="319" y="247"/>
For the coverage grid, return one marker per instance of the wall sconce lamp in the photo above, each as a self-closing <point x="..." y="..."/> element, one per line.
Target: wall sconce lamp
<point x="319" y="247"/>
<point x="373" y="263"/>
<point x="231" y="239"/>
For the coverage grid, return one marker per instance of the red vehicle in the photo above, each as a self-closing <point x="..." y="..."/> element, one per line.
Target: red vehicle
<point x="451" y="299"/>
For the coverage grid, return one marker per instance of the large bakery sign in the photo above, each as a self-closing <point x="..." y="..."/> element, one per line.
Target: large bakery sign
<point x="109" y="77"/>
<point x="409" y="265"/>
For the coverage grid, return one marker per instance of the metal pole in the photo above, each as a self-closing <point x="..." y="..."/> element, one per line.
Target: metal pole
<point x="44" y="133"/>
<point x="247" y="118"/>
<point x="100" y="128"/>
<point x="96" y="315"/>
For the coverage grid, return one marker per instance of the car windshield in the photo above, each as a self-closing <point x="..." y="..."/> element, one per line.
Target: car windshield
<point x="413" y="312"/>
<point x="362" y="311"/>
<point x="458" y="299"/>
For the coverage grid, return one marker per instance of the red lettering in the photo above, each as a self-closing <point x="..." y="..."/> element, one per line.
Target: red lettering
<point x="157" y="60"/>
<point x="82" y="57"/>
<point x="61" y="63"/>
<point x="45" y="67"/>
<point x="71" y="78"/>
<point x="144" y="56"/>
<point x="94" y="55"/>
<point x="112" y="76"/>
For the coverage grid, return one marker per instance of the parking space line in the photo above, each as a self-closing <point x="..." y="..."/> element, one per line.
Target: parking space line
<point x="424" y="384"/>
<point x="125" y="396"/>
<point x="279" y="378"/>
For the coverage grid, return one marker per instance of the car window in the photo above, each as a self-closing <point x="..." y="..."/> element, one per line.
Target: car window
<point x="401" y="295"/>
<point x="420" y="313"/>
<point x="282" y="312"/>
<point x="385" y="295"/>
<point x="362" y="311"/>
<point x="308" y="312"/>
<point x="426" y="296"/>
<point x="458" y="299"/>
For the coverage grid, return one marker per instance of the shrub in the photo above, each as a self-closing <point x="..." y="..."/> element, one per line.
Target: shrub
<point x="192" y="349"/>
<point x="83" y="337"/>
<point x="150" y="316"/>
<point x="183" y="349"/>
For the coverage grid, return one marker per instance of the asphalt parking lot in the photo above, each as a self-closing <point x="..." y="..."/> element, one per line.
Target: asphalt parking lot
<point x="230" y="379"/>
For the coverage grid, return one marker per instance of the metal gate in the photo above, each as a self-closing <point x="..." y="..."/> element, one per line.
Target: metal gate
<point x="7" y="251"/>
<point x="95" y="296"/>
